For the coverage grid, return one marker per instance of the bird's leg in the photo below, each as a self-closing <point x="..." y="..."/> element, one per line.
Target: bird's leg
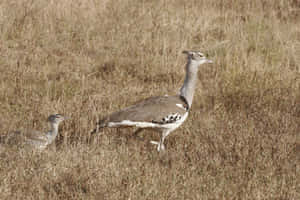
<point x="160" y="144"/>
<point x="135" y="134"/>
<point x="137" y="131"/>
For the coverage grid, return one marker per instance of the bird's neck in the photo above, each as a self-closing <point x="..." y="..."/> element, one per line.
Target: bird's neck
<point x="52" y="133"/>
<point x="188" y="89"/>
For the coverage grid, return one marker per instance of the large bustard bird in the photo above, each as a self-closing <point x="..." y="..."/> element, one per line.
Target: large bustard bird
<point x="36" y="139"/>
<point x="161" y="113"/>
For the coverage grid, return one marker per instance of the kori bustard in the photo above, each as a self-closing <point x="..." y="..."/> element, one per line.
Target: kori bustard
<point x="163" y="114"/>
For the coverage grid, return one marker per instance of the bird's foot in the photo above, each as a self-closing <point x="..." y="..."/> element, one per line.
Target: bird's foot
<point x="160" y="146"/>
<point x="154" y="142"/>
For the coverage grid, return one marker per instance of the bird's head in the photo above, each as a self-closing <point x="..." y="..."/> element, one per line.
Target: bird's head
<point x="56" y="118"/>
<point x="197" y="57"/>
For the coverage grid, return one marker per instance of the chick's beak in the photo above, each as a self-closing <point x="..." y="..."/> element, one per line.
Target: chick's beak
<point x="66" y="117"/>
<point x="209" y="61"/>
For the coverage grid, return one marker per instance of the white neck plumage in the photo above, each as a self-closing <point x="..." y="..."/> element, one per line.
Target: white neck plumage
<point x="52" y="133"/>
<point x="188" y="89"/>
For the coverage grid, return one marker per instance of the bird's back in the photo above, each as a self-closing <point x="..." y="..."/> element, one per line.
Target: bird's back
<point x="33" y="138"/>
<point x="152" y="109"/>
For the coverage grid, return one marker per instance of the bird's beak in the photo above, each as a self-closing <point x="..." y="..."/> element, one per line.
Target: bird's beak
<point x="66" y="117"/>
<point x="209" y="61"/>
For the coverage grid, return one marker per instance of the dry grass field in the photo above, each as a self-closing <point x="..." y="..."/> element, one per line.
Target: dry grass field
<point x="88" y="58"/>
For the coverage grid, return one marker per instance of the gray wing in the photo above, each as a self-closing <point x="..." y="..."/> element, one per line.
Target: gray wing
<point x="28" y="137"/>
<point x="36" y="135"/>
<point x="154" y="109"/>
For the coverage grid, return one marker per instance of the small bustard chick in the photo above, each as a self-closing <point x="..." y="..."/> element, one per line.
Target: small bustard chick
<point x="36" y="139"/>
<point x="163" y="114"/>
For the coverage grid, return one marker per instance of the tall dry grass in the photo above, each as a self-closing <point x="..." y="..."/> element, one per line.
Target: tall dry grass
<point x="88" y="58"/>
